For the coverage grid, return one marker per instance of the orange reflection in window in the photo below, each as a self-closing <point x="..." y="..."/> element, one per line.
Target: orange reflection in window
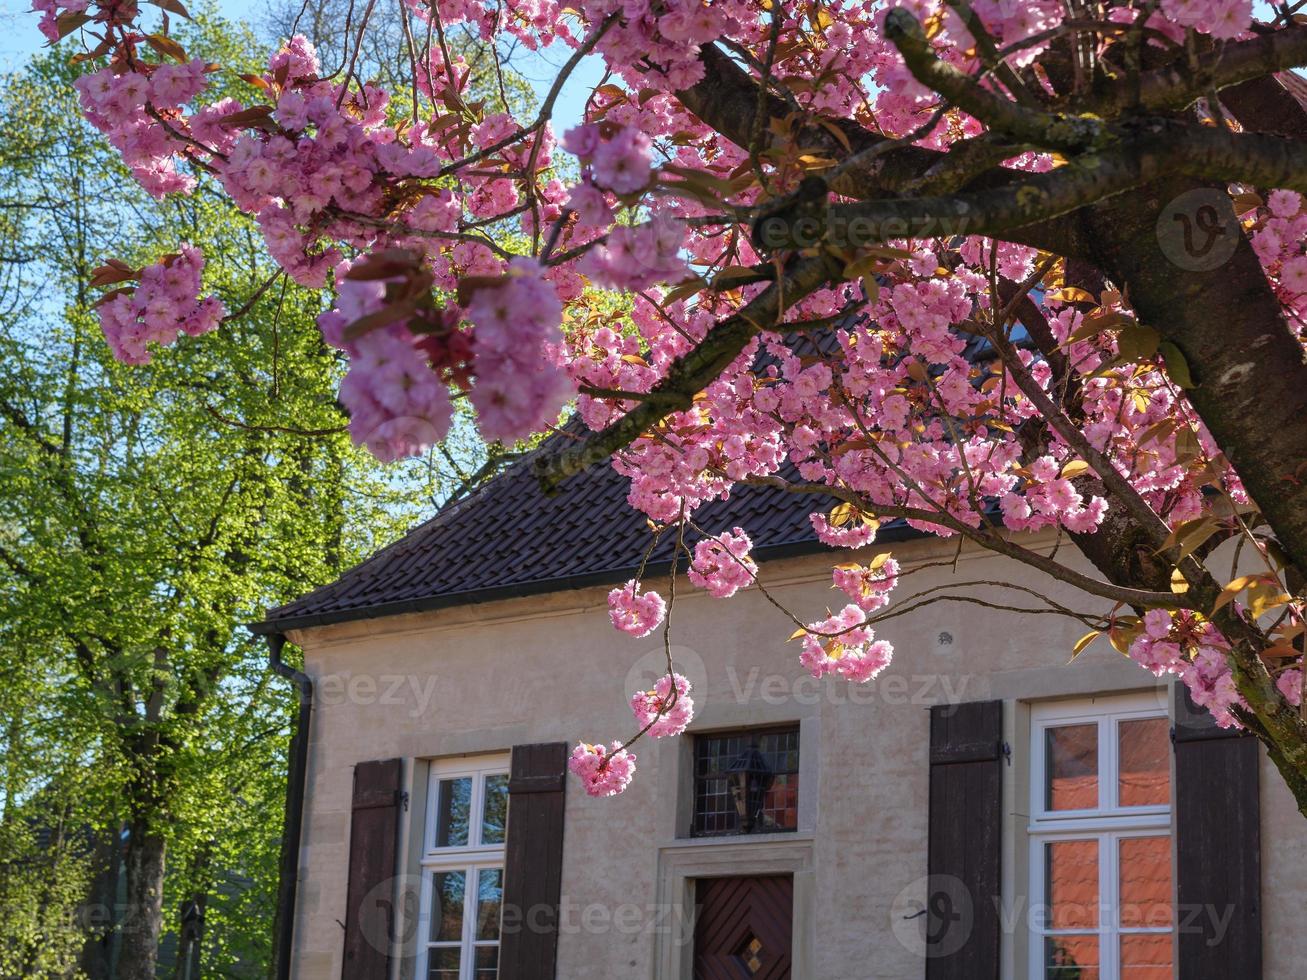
<point x="1146" y="956"/>
<point x="1146" y="882"/>
<point x="1145" y="765"/>
<point x="1072" y="752"/>
<point x="1072" y="870"/>
<point x="1071" y="957"/>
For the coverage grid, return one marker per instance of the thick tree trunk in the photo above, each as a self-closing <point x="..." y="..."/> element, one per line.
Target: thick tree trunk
<point x="144" y="860"/>
<point x="1248" y="370"/>
<point x="99" y="913"/>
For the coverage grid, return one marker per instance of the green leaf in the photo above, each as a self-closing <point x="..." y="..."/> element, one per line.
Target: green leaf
<point x="1177" y="368"/>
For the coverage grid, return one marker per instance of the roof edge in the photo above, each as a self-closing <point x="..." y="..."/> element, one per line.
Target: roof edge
<point x="791" y="549"/>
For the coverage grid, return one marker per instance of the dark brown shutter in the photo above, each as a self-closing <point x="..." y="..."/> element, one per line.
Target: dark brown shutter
<point x="1217" y="847"/>
<point x="373" y="840"/>
<point x="533" y="873"/>
<point x="966" y="791"/>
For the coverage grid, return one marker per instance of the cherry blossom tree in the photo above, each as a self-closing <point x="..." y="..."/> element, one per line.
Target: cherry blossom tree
<point x="988" y="267"/>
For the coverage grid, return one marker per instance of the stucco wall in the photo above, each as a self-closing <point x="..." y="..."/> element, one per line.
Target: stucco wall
<point x="483" y="678"/>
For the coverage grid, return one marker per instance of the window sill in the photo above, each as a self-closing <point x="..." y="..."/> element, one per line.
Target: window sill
<point x="736" y="840"/>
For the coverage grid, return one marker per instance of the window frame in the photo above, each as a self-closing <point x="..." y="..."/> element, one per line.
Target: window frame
<point x="471" y="859"/>
<point x="1107" y="824"/>
<point x="746" y="731"/>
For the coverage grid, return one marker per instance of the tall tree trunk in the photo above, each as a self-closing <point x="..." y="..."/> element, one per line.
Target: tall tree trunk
<point x="144" y="860"/>
<point x="99" y="913"/>
<point x="190" y="920"/>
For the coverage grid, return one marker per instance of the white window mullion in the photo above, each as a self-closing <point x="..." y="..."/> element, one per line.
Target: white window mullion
<point x="469" y="913"/>
<point x="467" y="859"/>
<point x="1107" y="824"/>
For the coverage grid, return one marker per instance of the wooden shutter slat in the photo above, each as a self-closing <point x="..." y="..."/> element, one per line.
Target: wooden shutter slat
<point x="373" y="844"/>
<point x="965" y="845"/>
<point x="533" y="872"/>
<point x="1218" y="848"/>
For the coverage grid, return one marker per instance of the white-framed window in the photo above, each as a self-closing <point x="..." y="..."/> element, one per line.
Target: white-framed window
<point x="463" y="869"/>
<point x="1100" y="840"/>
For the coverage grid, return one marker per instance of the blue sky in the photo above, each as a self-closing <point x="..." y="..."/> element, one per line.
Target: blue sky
<point x="19" y="39"/>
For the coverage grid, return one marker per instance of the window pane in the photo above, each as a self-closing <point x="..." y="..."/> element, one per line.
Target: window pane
<point x="442" y="964"/>
<point x="1146" y="882"/>
<point x="447" y="890"/>
<point x="1145" y="777"/>
<point x="494" y="816"/>
<point x="1071" y="957"/>
<point x="454" y="798"/>
<point x="487" y="963"/>
<point x="490" y="894"/>
<point x="1071" y="884"/>
<point x="766" y="761"/>
<point x="1071" y="752"/>
<point x="1146" y="957"/>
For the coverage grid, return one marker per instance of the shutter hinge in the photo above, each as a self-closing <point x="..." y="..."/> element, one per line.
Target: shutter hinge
<point x="403" y="799"/>
<point x="1172" y="731"/>
<point x="1007" y="752"/>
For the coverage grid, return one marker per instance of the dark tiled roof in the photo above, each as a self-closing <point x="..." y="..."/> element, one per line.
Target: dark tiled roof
<point x="508" y="539"/>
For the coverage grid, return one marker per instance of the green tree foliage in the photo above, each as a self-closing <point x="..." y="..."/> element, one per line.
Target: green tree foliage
<point x="146" y="514"/>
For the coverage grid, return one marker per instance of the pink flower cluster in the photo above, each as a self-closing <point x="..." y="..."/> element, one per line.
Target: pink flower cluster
<point x="638" y="257"/>
<point x="398" y="406"/>
<point x="634" y="613"/>
<point x="603" y="772"/>
<point x="520" y="386"/>
<point x="868" y="586"/>
<point x="119" y="105"/>
<point x="1161" y="648"/>
<point x="621" y="163"/>
<point x="722" y="564"/>
<point x="1050" y="500"/>
<point x="660" y="711"/>
<point x="842" y="644"/>
<point x="164" y="306"/>
<point x="1220" y="18"/>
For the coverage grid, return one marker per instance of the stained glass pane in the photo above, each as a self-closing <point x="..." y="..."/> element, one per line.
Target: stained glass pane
<point x="1071" y="870"/>
<point x="452" y="803"/>
<point x="494" y="813"/>
<point x="771" y="758"/>
<point x="1146" y="882"/>
<point x="1071" y="752"/>
<point x="447" y="892"/>
<point x="1145" y="762"/>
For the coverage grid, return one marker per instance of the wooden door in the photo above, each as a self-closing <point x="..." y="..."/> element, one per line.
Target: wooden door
<point x="743" y="928"/>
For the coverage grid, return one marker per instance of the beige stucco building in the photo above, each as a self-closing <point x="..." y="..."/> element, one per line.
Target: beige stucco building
<point x="869" y="799"/>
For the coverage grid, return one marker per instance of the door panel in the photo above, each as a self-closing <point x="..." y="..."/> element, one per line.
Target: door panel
<point x="743" y="928"/>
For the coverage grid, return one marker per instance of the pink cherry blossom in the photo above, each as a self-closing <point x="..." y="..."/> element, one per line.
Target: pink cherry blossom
<point x="722" y="564"/>
<point x="603" y="772"/>
<point x="165" y="305"/>
<point x="635" y="613"/>
<point x="841" y="644"/>
<point x="662" y="713"/>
